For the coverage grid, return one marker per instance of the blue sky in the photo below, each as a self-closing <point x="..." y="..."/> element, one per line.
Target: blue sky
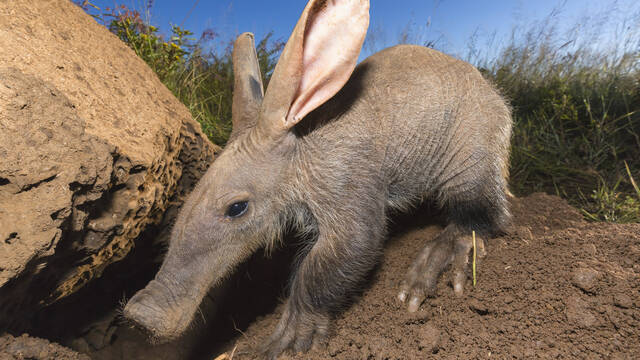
<point x="452" y="22"/>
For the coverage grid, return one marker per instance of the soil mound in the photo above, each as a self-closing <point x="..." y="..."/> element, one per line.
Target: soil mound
<point x="93" y="150"/>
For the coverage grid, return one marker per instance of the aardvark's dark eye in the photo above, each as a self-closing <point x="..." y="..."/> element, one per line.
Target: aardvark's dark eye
<point x="237" y="209"/>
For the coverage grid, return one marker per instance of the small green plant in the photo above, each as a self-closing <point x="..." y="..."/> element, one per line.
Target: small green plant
<point x="632" y="180"/>
<point x="609" y="204"/>
<point x="164" y="57"/>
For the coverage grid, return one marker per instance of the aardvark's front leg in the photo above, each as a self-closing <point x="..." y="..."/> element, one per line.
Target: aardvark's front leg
<point x="334" y="266"/>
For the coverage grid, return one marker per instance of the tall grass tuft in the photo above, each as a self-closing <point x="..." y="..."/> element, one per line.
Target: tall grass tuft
<point x="576" y="111"/>
<point x="205" y="85"/>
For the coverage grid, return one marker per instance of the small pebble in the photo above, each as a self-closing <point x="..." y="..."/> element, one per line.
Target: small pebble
<point x="623" y="301"/>
<point x="477" y="306"/>
<point x="585" y="279"/>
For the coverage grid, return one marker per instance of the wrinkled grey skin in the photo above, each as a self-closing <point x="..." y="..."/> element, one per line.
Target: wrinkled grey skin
<point x="410" y="124"/>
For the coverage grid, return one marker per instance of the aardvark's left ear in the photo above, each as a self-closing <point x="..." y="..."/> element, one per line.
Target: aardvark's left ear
<point x="316" y="62"/>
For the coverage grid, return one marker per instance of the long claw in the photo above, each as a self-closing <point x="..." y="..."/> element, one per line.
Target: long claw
<point x="402" y="296"/>
<point x="414" y="303"/>
<point x="297" y="331"/>
<point x="452" y="246"/>
<point x="459" y="280"/>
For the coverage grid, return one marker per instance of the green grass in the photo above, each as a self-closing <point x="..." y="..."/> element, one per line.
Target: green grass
<point x="576" y="118"/>
<point x="205" y="85"/>
<point x="576" y="109"/>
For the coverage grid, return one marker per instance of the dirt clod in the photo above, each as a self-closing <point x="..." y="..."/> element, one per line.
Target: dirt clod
<point x="585" y="278"/>
<point x="578" y="312"/>
<point x="429" y="337"/>
<point x="94" y="152"/>
<point x="623" y="301"/>
<point x="478" y="307"/>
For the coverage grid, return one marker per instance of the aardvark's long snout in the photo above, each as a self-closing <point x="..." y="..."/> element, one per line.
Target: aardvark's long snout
<point x="160" y="311"/>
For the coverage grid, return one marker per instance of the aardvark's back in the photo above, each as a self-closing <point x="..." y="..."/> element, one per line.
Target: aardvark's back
<point x="432" y="123"/>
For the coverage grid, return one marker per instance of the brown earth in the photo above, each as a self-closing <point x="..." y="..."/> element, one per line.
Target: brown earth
<point x="555" y="286"/>
<point x="27" y="348"/>
<point x="94" y="151"/>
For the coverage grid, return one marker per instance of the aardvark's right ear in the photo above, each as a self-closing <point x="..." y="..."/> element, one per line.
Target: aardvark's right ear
<point x="316" y="62"/>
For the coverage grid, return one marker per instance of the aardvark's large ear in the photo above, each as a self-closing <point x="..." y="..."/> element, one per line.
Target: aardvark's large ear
<point x="247" y="86"/>
<point x="316" y="62"/>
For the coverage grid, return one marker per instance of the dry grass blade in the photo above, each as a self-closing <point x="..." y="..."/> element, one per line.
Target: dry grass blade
<point x="473" y="234"/>
<point x="225" y="356"/>
<point x="633" y="182"/>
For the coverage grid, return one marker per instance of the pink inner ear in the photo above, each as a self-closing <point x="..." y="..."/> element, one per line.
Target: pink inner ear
<point x="332" y="42"/>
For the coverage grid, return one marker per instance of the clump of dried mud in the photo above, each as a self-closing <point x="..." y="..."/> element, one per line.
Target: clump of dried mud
<point x="95" y="152"/>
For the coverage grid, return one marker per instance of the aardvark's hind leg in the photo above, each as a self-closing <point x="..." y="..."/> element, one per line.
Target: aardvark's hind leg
<point x="452" y="246"/>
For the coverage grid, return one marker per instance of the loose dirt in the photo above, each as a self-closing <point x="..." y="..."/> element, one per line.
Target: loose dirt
<point x="555" y="286"/>
<point x="26" y="348"/>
